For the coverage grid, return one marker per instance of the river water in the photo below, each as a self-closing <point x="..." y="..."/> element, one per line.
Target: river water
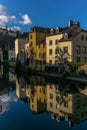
<point x="39" y="103"/>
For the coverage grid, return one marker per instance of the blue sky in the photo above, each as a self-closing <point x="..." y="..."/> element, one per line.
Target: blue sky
<point x="24" y="14"/>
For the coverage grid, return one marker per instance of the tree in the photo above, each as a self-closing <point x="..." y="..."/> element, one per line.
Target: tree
<point x="62" y="60"/>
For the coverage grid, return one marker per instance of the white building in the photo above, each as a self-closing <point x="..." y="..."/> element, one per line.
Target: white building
<point x="11" y="56"/>
<point x="19" y="48"/>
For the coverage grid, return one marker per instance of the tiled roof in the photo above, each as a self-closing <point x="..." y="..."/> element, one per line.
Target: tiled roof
<point x="71" y="33"/>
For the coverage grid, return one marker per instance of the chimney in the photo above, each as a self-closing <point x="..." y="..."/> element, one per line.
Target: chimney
<point x="70" y="23"/>
<point x="51" y="31"/>
<point x="57" y="30"/>
<point x="78" y="24"/>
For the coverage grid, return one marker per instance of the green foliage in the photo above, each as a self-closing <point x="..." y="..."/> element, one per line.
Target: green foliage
<point x="73" y="66"/>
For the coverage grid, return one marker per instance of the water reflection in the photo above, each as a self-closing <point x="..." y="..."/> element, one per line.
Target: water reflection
<point x="7" y="85"/>
<point x="62" y="100"/>
<point x="69" y="103"/>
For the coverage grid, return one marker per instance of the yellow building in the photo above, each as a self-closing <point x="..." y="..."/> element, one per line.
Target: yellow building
<point x="37" y="46"/>
<point x="38" y="97"/>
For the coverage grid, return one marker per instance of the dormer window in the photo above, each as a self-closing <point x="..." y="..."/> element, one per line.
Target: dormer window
<point x="52" y="31"/>
<point x="66" y="36"/>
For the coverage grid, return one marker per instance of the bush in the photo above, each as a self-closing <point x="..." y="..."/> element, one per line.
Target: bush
<point x="73" y="66"/>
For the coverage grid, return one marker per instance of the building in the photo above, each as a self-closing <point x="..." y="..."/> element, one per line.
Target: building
<point x="37" y="46"/>
<point x="20" y="49"/>
<point x="21" y="88"/>
<point x="11" y="56"/>
<point x="51" y="44"/>
<point x="64" y="105"/>
<point x="27" y="52"/>
<point x="0" y="53"/>
<point x="38" y="97"/>
<point x="72" y="40"/>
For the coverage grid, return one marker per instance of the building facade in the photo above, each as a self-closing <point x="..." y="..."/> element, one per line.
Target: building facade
<point x="37" y="47"/>
<point x="73" y="42"/>
<point x="20" y="49"/>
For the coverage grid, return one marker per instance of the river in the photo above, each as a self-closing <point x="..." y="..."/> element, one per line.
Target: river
<point x="30" y="102"/>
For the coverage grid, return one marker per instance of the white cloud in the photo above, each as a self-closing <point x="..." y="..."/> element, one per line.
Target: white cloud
<point x="4" y="17"/>
<point x="26" y="20"/>
<point x="3" y="9"/>
<point x="12" y="17"/>
<point x="3" y="20"/>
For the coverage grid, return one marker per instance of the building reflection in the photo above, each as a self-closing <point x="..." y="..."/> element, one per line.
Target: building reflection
<point x="38" y="100"/>
<point x="7" y="85"/>
<point x="66" y="105"/>
<point x="21" y="88"/>
<point x="62" y="103"/>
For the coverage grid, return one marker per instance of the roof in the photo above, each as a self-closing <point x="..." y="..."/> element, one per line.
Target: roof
<point x="40" y="29"/>
<point x="70" y="33"/>
<point x="41" y="41"/>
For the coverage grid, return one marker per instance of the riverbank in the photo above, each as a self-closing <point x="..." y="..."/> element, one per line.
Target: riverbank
<point x="77" y="79"/>
<point x="56" y="76"/>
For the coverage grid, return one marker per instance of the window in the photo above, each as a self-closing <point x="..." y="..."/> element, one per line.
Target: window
<point x="50" y="61"/>
<point x="78" y="104"/>
<point x="78" y="49"/>
<point x="43" y="45"/>
<point x="84" y="49"/>
<point x="65" y="49"/>
<point x="51" y="87"/>
<point x="39" y="46"/>
<point x="86" y="113"/>
<point x="84" y="102"/>
<point x="57" y="98"/>
<point x="82" y="37"/>
<point x="82" y="114"/>
<point x="50" y="42"/>
<point x="51" y="96"/>
<point x="56" y="62"/>
<point x="30" y="36"/>
<point x="44" y="55"/>
<point x="51" y="104"/>
<point x="30" y="44"/>
<point x="32" y="100"/>
<point x="32" y="106"/>
<point x="78" y="59"/>
<point x="40" y="90"/>
<point x="56" y="41"/>
<point x="50" y="51"/>
<point x="86" y="38"/>
<point x="56" y="51"/>
<point x="39" y="55"/>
